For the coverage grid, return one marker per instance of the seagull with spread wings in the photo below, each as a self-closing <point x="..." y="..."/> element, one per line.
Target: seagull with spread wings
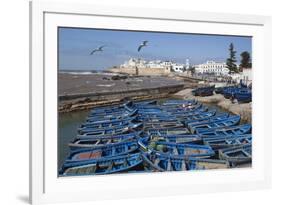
<point x="97" y="49"/>
<point x="144" y="43"/>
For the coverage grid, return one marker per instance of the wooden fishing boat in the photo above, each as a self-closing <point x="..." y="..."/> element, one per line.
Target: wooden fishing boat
<point x="108" y="165"/>
<point x="201" y="164"/>
<point x="203" y="127"/>
<point x="98" y="141"/>
<point x="243" y="97"/>
<point x="157" y="119"/>
<point x="203" y="91"/>
<point x="121" y="115"/>
<point x="195" y="117"/>
<point x="237" y="155"/>
<point x="227" y="141"/>
<point x="167" y="131"/>
<point x="179" y="139"/>
<point x="234" y="130"/>
<point x="109" y="150"/>
<point x="177" y="149"/>
<point x="160" y="162"/>
<point x="159" y="125"/>
<point x="111" y="131"/>
<point x="113" y="113"/>
<point x="201" y="119"/>
<point x="230" y="92"/>
<point x="107" y="123"/>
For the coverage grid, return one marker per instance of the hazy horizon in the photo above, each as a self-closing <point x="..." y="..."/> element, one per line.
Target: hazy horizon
<point x="76" y="44"/>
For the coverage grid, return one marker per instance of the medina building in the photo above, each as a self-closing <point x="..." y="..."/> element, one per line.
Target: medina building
<point x="212" y="67"/>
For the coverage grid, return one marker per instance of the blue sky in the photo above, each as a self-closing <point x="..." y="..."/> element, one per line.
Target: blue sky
<point x="76" y="44"/>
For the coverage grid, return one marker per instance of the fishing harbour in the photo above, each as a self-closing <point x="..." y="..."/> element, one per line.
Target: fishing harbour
<point x="157" y="136"/>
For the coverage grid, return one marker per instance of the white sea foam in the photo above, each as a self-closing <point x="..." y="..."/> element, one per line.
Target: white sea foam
<point x="88" y="73"/>
<point x="106" y="85"/>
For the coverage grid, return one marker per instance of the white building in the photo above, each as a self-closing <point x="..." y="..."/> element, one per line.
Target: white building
<point x="133" y="62"/>
<point x="167" y="65"/>
<point x="213" y="67"/>
<point x="154" y="64"/>
<point x="178" y="68"/>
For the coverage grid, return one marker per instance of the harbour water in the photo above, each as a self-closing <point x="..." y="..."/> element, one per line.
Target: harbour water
<point x="67" y="130"/>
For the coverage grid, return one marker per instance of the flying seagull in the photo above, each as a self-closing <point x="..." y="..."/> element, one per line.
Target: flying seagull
<point x="144" y="43"/>
<point x="97" y="49"/>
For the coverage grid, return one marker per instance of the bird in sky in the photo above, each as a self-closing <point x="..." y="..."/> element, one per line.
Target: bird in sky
<point x="97" y="49"/>
<point x="144" y="43"/>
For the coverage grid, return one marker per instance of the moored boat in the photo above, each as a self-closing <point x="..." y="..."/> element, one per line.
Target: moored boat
<point x="182" y="139"/>
<point x="230" y="121"/>
<point x="162" y="162"/>
<point x="205" y="118"/>
<point x="227" y="141"/>
<point x="167" y="131"/>
<point x="110" y="131"/>
<point x="234" y="130"/>
<point x="108" y="165"/>
<point x="201" y="164"/>
<point x="109" y="150"/>
<point x="101" y="117"/>
<point x="237" y="155"/>
<point x="176" y="149"/>
<point x="203" y="91"/>
<point x="99" y="141"/>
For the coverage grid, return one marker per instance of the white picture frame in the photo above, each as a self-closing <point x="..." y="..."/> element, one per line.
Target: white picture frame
<point x="46" y="187"/>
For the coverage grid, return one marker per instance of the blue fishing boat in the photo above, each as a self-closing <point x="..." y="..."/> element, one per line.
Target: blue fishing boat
<point x="182" y="139"/>
<point x="128" y="125"/>
<point x="201" y="128"/>
<point x="237" y="155"/>
<point x="110" y="131"/>
<point x="201" y="119"/>
<point x="110" y="150"/>
<point x="222" y="142"/>
<point x="219" y="90"/>
<point x="98" y="141"/>
<point x="121" y="115"/>
<point x="177" y="149"/>
<point x="108" y="165"/>
<point x="157" y="119"/>
<point x="107" y="123"/>
<point x="113" y="113"/>
<point x="161" y="162"/>
<point x="196" y="117"/>
<point x="203" y="91"/>
<point x="159" y="125"/>
<point x="202" y="164"/>
<point x="241" y="94"/>
<point x="243" y="97"/>
<point x="167" y="131"/>
<point x="234" y="130"/>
